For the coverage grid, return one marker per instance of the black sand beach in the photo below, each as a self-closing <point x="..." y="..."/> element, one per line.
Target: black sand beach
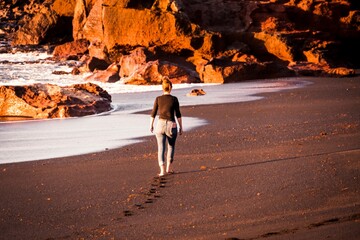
<point x="284" y="167"/>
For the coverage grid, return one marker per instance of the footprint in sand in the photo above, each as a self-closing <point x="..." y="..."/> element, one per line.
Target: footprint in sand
<point x="152" y="194"/>
<point x="127" y="213"/>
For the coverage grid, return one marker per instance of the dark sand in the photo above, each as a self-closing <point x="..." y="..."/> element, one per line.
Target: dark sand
<point x="285" y="167"/>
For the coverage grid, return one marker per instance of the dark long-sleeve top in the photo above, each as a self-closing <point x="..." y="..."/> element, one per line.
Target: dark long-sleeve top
<point x="168" y="107"/>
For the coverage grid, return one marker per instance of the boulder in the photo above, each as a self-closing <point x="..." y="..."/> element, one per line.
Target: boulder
<point x="35" y="31"/>
<point x="152" y="72"/>
<point x="111" y="74"/>
<point x="132" y="62"/>
<point x="196" y="92"/>
<point x="70" y="49"/>
<point x="51" y="101"/>
<point x="145" y="74"/>
<point x="225" y="72"/>
<point x="137" y="68"/>
<point x="177" y="73"/>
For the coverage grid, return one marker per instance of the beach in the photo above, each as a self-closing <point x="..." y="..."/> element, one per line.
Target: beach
<point x="283" y="167"/>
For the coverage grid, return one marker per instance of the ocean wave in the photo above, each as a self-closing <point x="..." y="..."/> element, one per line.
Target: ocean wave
<point x="26" y="68"/>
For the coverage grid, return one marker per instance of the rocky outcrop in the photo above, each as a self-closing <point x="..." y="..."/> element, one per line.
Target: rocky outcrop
<point x="274" y="31"/>
<point x="192" y="39"/>
<point x="139" y="68"/>
<point x="133" y="61"/>
<point x="277" y="45"/>
<point x="311" y="69"/>
<point x="117" y="24"/>
<point x="51" y="101"/>
<point x="152" y="72"/>
<point x="34" y="32"/>
<point x="71" y="49"/>
<point x="34" y="22"/>
<point x="110" y="75"/>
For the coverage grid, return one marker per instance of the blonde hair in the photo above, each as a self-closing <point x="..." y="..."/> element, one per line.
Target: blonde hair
<point x="166" y="84"/>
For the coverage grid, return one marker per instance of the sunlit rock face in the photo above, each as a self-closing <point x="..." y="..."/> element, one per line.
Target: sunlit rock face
<point x="35" y="30"/>
<point x="206" y="38"/>
<point x="110" y="75"/>
<point x="51" y="101"/>
<point x="139" y="67"/>
<point x="71" y="49"/>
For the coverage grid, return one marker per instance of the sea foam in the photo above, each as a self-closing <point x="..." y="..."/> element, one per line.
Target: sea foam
<point x="44" y="139"/>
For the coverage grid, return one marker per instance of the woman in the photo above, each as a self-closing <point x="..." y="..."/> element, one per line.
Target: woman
<point x="166" y="128"/>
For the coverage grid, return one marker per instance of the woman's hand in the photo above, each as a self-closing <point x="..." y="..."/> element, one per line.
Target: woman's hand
<point x="152" y="124"/>
<point x="180" y="126"/>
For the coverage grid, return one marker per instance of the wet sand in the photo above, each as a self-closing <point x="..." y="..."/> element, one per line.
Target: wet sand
<point x="284" y="167"/>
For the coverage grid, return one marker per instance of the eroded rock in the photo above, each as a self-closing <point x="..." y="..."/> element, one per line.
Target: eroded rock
<point x="313" y="69"/>
<point x="269" y="33"/>
<point x="75" y="48"/>
<point x="196" y="92"/>
<point x="34" y="31"/>
<point x="111" y="74"/>
<point x="51" y="101"/>
<point x="140" y="67"/>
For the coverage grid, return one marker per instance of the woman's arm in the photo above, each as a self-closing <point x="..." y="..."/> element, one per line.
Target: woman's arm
<point x="152" y="124"/>
<point x="153" y="114"/>
<point x="180" y="125"/>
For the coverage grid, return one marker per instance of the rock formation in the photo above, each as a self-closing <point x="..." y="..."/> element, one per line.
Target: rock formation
<point x="208" y="40"/>
<point x="34" y="32"/>
<point x="111" y="74"/>
<point x="196" y="92"/>
<point x="50" y="101"/>
<point x="140" y="68"/>
<point x="71" y="49"/>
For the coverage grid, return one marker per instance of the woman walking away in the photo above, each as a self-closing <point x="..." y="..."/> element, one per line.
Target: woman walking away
<point x="166" y="128"/>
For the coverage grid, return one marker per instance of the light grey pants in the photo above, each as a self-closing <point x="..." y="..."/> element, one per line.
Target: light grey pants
<point x="166" y="135"/>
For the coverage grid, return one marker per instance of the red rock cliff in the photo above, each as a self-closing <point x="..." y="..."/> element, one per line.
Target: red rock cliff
<point x="220" y="41"/>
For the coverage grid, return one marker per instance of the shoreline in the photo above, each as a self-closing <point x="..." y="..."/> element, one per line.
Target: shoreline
<point x="278" y="165"/>
<point x="55" y="138"/>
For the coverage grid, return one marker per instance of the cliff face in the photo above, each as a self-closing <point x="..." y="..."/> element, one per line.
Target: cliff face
<point x="209" y="40"/>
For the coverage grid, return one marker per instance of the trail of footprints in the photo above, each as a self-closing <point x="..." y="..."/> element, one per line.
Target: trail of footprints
<point x="151" y="195"/>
